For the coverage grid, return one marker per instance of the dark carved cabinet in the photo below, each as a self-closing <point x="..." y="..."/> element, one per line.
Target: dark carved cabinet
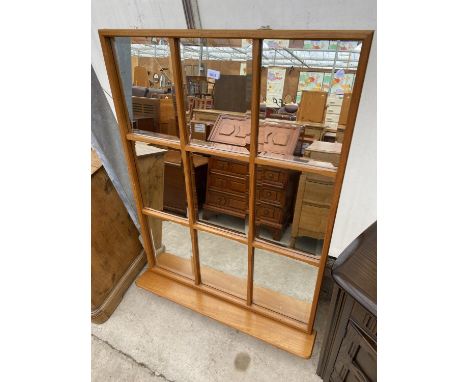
<point x="349" y="352"/>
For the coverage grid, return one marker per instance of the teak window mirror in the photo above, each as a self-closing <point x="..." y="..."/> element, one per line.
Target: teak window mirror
<point x="236" y="144"/>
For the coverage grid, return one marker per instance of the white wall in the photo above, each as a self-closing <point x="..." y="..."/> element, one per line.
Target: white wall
<point x="130" y="14"/>
<point x="358" y="204"/>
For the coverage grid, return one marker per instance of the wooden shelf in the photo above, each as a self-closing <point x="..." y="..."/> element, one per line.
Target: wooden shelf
<point x="273" y="332"/>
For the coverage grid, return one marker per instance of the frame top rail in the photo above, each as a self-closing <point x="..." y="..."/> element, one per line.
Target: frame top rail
<point x="241" y="33"/>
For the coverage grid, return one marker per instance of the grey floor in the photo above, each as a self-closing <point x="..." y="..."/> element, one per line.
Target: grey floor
<point x="149" y="338"/>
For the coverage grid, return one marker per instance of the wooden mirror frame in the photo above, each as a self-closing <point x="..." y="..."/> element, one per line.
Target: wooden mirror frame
<point x="279" y="330"/>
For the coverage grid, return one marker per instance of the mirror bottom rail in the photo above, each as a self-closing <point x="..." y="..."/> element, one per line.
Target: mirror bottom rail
<point x="295" y="312"/>
<point x="257" y="325"/>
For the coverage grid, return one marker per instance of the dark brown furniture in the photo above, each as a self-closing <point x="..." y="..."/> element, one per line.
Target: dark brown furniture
<point x="228" y="180"/>
<point x="175" y="197"/>
<point x="233" y="93"/>
<point x="117" y="255"/>
<point x="349" y="352"/>
<point x="143" y="122"/>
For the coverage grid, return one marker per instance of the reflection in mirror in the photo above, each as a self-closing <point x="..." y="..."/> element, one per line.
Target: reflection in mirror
<point x="223" y="270"/>
<point x="310" y="83"/>
<point x="146" y="75"/>
<point x="292" y="208"/>
<point x="306" y="88"/>
<point x="283" y="285"/>
<point x="224" y="184"/>
<point x="172" y="246"/>
<point x="161" y="177"/>
<point x="217" y="76"/>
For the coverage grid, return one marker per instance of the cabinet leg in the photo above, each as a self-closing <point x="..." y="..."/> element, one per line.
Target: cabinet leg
<point x="292" y="242"/>
<point x="276" y="234"/>
<point x="206" y="215"/>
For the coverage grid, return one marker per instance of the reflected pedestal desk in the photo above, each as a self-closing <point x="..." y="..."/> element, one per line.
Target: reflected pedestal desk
<point x="228" y="180"/>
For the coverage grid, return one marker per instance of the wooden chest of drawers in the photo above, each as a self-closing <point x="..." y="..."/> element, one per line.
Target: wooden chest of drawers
<point x="312" y="207"/>
<point x="228" y="193"/>
<point x="314" y="194"/>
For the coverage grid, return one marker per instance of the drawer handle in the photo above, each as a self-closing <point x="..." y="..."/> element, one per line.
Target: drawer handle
<point x="266" y="212"/>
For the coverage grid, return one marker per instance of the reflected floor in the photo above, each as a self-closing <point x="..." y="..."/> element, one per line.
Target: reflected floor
<point x="273" y="272"/>
<point x="303" y="243"/>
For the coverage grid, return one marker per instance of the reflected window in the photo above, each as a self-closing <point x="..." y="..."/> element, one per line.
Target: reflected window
<point x="217" y="76"/>
<point x="223" y="270"/>
<point x="146" y="75"/>
<point x="162" y="181"/>
<point x="172" y="246"/>
<point x="283" y="285"/>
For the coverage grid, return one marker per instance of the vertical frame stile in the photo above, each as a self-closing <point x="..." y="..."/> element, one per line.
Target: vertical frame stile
<point x="128" y="148"/>
<point x="353" y="109"/>
<point x="255" y="108"/>
<point x="174" y="44"/>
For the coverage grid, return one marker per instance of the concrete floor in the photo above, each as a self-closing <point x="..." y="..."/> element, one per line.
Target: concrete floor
<point x="149" y="338"/>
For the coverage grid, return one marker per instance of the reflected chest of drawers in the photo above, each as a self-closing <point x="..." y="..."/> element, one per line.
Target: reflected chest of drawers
<point x="228" y="193"/>
<point x="228" y="180"/>
<point x="314" y="194"/>
<point x="312" y="207"/>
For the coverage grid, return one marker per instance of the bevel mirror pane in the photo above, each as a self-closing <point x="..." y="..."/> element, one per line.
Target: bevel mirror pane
<point x="283" y="285"/>
<point x="161" y="177"/>
<point x="145" y="69"/>
<point x="222" y="191"/>
<point x="292" y="208"/>
<point x="223" y="264"/>
<point x="172" y="246"/>
<point x="306" y="89"/>
<point x="217" y="76"/>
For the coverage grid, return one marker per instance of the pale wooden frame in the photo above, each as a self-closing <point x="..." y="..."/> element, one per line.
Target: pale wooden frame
<point x="185" y="147"/>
